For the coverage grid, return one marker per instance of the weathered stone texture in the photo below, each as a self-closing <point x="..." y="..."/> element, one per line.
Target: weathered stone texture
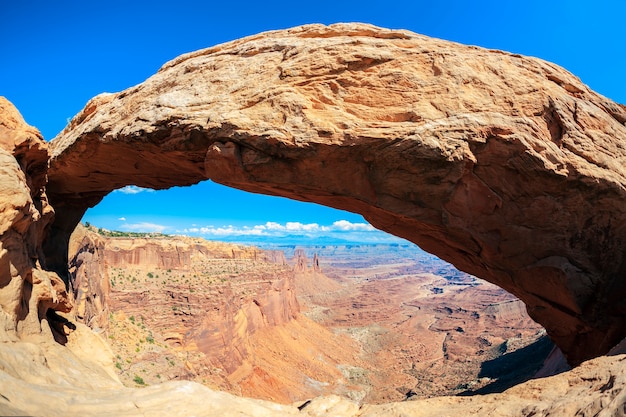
<point x="508" y="167"/>
<point x="28" y="293"/>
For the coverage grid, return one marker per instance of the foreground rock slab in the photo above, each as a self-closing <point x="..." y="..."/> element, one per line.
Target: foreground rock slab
<point x="49" y="387"/>
<point x="506" y="166"/>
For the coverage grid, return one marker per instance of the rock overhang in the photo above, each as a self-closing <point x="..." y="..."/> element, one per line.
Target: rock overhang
<point x="506" y="166"/>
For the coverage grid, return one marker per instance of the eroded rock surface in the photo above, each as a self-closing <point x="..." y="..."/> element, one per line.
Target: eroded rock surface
<point x="225" y="315"/>
<point x="506" y="166"/>
<point x="29" y="295"/>
<point x="595" y="388"/>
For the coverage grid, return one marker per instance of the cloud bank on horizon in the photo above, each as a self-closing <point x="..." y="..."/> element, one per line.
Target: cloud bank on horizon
<point x="216" y="212"/>
<point x="274" y="232"/>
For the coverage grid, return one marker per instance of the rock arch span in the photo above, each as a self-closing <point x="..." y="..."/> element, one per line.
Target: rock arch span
<point x="506" y="166"/>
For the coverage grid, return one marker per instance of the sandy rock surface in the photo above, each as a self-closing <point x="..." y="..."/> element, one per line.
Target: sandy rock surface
<point x="595" y="388"/>
<point x="27" y="291"/>
<point x="506" y="166"/>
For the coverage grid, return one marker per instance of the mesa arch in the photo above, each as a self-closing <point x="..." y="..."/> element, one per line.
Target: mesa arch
<point x="506" y="166"/>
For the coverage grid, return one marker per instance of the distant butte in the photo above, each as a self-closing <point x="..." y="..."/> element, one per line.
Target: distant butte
<point x="506" y="166"/>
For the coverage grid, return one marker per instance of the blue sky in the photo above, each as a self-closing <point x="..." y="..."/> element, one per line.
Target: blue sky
<point x="57" y="55"/>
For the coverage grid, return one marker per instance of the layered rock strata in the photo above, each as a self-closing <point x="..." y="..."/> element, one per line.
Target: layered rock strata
<point x="508" y="167"/>
<point x="89" y="278"/>
<point x="92" y="256"/>
<point x="205" y="298"/>
<point x="30" y="296"/>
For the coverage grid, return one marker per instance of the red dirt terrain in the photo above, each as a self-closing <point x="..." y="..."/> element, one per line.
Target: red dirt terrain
<point x="373" y="323"/>
<point x="220" y="314"/>
<point x="424" y="328"/>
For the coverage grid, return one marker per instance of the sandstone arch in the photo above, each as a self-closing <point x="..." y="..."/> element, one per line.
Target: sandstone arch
<point x="506" y="166"/>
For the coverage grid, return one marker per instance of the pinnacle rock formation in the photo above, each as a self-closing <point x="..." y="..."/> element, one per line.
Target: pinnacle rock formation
<point x="302" y="262"/>
<point x="506" y="166"/>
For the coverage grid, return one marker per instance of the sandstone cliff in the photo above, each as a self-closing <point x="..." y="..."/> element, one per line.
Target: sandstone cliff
<point x="506" y="166"/>
<point x="89" y="278"/>
<point x="595" y="389"/>
<point x="177" y="252"/>
<point x="247" y="281"/>
<point x="92" y="256"/>
<point x="29" y="295"/>
<point x="222" y="314"/>
<point x="310" y="281"/>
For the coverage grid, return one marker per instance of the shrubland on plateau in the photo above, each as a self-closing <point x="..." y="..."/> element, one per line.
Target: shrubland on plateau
<point x="506" y="166"/>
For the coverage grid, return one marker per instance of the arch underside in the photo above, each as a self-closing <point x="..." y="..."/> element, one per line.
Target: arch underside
<point x="507" y="167"/>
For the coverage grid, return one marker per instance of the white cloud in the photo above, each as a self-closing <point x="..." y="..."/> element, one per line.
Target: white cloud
<point x="144" y="227"/>
<point x="292" y="227"/>
<point x="345" y="225"/>
<point x="122" y="219"/>
<point x="132" y="189"/>
<point x="299" y="227"/>
<point x="341" y="229"/>
<point x="232" y="231"/>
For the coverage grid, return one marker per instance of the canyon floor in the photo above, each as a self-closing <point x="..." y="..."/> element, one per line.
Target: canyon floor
<point x="371" y="323"/>
<point x="424" y="329"/>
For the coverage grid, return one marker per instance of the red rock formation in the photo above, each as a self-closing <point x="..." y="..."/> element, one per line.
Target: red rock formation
<point x="92" y="255"/>
<point x="310" y="281"/>
<point x="581" y="135"/>
<point x="89" y="278"/>
<point x="235" y="316"/>
<point x="177" y="252"/>
<point x="226" y="294"/>
<point x="29" y="295"/>
<point x="300" y="261"/>
<point x="316" y="263"/>
<point x="506" y="166"/>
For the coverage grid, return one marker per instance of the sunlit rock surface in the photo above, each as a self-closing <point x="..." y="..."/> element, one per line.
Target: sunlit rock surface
<point x="506" y="166"/>
<point x="28" y="293"/>
<point x="595" y="388"/>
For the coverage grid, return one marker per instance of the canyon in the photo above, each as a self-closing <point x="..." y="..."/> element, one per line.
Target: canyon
<point x="384" y="328"/>
<point x="506" y="166"/>
<point x="220" y="314"/>
<point x="424" y="329"/>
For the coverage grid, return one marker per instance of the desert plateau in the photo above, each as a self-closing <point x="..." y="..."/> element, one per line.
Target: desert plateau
<point x="392" y="323"/>
<point x="507" y="169"/>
